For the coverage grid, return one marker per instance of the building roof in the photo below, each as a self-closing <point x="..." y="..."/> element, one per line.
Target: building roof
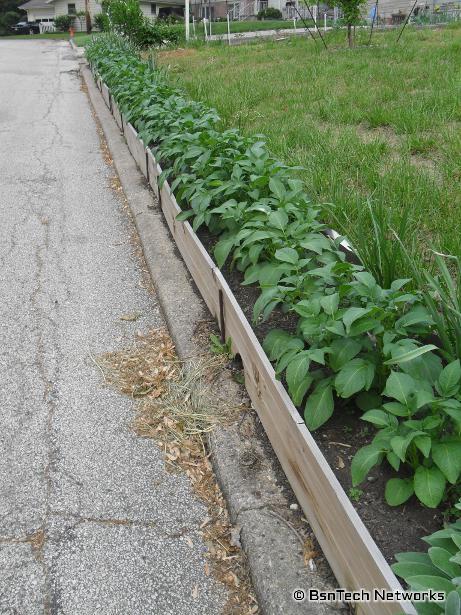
<point x="34" y="4"/>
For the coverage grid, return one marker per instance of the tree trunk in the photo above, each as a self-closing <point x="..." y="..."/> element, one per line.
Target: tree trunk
<point x="349" y="34"/>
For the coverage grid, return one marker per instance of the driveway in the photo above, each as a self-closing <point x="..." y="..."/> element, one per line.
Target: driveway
<point x="90" y="521"/>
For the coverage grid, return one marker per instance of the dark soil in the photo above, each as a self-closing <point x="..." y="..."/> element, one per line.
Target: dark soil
<point x="393" y="529"/>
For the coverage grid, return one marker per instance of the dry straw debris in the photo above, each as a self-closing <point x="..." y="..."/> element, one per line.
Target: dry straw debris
<point x="178" y="405"/>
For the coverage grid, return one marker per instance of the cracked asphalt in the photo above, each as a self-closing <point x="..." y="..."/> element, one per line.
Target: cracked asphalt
<point x="90" y="521"/>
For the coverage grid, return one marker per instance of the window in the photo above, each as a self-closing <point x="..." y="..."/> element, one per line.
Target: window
<point x="71" y="10"/>
<point x="153" y="9"/>
<point x="207" y="12"/>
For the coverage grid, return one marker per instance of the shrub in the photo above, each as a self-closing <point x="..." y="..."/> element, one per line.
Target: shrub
<point x="269" y="13"/>
<point x="101" y="21"/>
<point x="126" y="18"/>
<point x="63" y="22"/>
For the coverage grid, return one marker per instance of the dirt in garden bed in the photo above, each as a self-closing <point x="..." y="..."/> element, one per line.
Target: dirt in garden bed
<point x="393" y="529"/>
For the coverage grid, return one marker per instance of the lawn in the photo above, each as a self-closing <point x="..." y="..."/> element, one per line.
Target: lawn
<point x="378" y="124"/>
<point x="81" y="38"/>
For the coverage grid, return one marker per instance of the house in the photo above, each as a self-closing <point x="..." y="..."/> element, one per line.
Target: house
<point x="47" y="10"/>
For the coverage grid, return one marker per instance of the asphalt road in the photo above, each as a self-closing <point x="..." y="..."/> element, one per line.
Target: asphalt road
<point x="90" y="521"/>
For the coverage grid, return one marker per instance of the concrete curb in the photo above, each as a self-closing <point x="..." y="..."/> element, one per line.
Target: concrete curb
<point x="258" y="505"/>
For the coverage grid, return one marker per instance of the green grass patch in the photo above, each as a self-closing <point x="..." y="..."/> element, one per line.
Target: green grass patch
<point x="379" y="123"/>
<point x="81" y="38"/>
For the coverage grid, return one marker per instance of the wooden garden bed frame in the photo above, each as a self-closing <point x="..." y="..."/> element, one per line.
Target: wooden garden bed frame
<point x="353" y="555"/>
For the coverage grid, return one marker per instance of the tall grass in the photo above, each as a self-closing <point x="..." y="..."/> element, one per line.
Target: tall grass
<point x="378" y="125"/>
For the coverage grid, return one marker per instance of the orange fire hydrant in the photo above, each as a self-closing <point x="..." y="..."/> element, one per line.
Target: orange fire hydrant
<point x="71" y="32"/>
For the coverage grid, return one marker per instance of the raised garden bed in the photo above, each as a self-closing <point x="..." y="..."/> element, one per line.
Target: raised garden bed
<point x="353" y="555"/>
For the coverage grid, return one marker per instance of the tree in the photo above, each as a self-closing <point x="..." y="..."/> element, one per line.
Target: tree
<point x="10" y="14"/>
<point x="351" y="13"/>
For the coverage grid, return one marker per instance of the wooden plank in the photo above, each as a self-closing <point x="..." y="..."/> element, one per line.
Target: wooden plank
<point x="117" y="115"/>
<point x="136" y="147"/>
<point x="197" y="259"/>
<point x="353" y="555"/>
<point x="131" y="137"/>
<point x="153" y="171"/>
<point x="105" y="94"/>
<point x="347" y="544"/>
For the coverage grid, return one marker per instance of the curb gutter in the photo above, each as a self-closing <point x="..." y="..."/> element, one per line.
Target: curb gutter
<point x="259" y="507"/>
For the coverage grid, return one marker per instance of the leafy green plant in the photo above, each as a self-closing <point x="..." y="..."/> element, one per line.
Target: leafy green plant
<point x="438" y="569"/>
<point x="63" y="22"/>
<point x="355" y="494"/>
<point x="269" y="13"/>
<point x="353" y="338"/>
<point x="101" y="21"/>
<point x="127" y="19"/>
<point x="419" y="426"/>
<point x="218" y="347"/>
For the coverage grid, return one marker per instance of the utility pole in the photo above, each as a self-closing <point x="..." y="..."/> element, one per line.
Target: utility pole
<point x="186" y="19"/>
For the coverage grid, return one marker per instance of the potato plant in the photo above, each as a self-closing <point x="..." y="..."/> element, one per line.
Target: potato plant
<point x="354" y="339"/>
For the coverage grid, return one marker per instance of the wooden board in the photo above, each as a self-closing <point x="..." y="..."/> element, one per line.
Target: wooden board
<point x="136" y="147"/>
<point x="353" y="555"/>
<point x="105" y="94"/>
<point x="197" y="259"/>
<point x="117" y="115"/>
<point x="153" y="171"/>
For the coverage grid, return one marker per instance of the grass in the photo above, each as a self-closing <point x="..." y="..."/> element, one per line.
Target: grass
<point x="81" y="38"/>
<point x="378" y="124"/>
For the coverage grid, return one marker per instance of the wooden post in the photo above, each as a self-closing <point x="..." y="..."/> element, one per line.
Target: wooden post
<point x="186" y="19"/>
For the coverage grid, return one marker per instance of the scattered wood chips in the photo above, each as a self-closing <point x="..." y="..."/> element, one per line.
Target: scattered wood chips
<point x="178" y="406"/>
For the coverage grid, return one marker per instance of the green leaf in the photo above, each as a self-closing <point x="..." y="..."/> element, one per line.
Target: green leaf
<point x="401" y="387"/>
<point x="377" y="417"/>
<point x="298" y="378"/>
<point x="398" y="491"/>
<point x="426" y="581"/>
<point x="447" y="457"/>
<point x="453" y="603"/>
<point x="278" y="219"/>
<point x="393" y="460"/>
<point x="222" y="250"/>
<point x="429" y="486"/>
<point x="342" y="351"/>
<point x="316" y="243"/>
<point x="355" y="376"/>
<point x="185" y="215"/>
<point x="353" y="314"/>
<point x="319" y="406"/>
<point x="417" y="315"/>
<point x="448" y="383"/>
<point x="424" y="444"/>
<point x="287" y="255"/>
<point x="397" y="409"/>
<point x="330" y="303"/>
<point x="417" y="557"/>
<point x="366" y="279"/>
<point x="278" y="341"/>
<point x="363" y="461"/>
<point x="441" y="559"/>
<point x="264" y="298"/>
<point x="410" y="355"/>
<point x="277" y="188"/>
<point x="411" y="569"/>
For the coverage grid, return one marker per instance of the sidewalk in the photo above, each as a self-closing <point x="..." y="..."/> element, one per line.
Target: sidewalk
<point x="90" y="521"/>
